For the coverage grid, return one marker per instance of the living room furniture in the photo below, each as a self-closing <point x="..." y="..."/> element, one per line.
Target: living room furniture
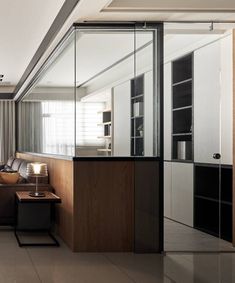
<point x="7" y="191"/>
<point x="34" y="214"/>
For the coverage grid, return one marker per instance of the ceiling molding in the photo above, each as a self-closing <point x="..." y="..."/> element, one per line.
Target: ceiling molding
<point x="59" y="21"/>
<point x="159" y="10"/>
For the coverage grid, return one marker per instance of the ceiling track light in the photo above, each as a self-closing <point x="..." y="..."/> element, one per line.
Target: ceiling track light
<point x="1" y="76"/>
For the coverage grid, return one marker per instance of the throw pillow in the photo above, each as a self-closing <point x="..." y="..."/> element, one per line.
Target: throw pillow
<point x="8" y="169"/>
<point x="9" y="178"/>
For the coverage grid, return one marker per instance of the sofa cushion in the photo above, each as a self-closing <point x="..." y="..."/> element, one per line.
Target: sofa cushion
<point x="10" y="161"/>
<point x="9" y="178"/>
<point x="16" y="164"/>
<point x="7" y="169"/>
<point x="23" y="168"/>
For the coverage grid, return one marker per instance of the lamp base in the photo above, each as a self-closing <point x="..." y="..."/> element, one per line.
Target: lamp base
<point x="37" y="194"/>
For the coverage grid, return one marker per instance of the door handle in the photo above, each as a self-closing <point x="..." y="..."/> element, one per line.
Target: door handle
<point x="216" y="156"/>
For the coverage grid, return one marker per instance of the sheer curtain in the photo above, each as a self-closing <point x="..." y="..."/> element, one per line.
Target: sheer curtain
<point x="7" y="129"/>
<point x="30" y="125"/>
<point x="59" y="126"/>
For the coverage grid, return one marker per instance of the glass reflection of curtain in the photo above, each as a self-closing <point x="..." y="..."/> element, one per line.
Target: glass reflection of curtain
<point x="7" y="129"/>
<point x="88" y="119"/>
<point x="30" y="126"/>
<point x="58" y="127"/>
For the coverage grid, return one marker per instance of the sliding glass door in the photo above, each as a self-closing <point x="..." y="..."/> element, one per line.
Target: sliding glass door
<point x="198" y="139"/>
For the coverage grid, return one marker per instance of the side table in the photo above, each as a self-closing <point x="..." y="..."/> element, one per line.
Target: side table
<point x="34" y="214"/>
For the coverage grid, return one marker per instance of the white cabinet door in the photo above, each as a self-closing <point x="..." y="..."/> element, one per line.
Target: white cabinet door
<point x="167" y="111"/>
<point x="167" y="190"/>
<point x="148" y="114"/>
<point x="226" y="100"/>
<point x="121" y="119"/>
<point x="182" y="192"/>
<point x="207" y="103"/>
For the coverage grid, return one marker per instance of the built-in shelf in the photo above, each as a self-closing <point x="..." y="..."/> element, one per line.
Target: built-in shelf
<point x="105" y="110"/>
<point x="182" y="134"/>
<point x="182" y="109"/>
<point x="213" y="200"/>
<point x="104" y="137"/>
<point x="137" y="96"/>
<point x="104" y="149"/>
<point x="106" y="123"/>
<point x="137" y="116"/>
<point x="182" y="82"/>
<point x="107" y="131"/>
<point x="137" y="137"/>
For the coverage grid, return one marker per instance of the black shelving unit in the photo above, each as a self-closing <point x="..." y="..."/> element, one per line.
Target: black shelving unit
<point x="182" y="110"/>
<point x="213" y="200"/>
<point x="137" y="116"/>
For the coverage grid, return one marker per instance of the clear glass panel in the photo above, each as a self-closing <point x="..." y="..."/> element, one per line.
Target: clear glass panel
<point x="143" y="95"/>
<point x="198" y="137"/>
<point x="111" y="66"/>
<point x="96" y="96"/>
<point x="46" y="115"/>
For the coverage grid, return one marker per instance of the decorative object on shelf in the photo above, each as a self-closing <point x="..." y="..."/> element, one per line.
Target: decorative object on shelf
<point x="181" y="150"/>
<point x="36" y="170"/>
<point x="141" y="130"/>
<point x="138" y="109"/>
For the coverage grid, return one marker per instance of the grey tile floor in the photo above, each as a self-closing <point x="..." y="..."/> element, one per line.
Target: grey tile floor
<point x="179" y="237"/>
<point x="60" y="265"/>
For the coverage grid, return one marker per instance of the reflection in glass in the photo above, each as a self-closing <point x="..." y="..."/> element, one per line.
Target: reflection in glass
<point x="97" y="103"/>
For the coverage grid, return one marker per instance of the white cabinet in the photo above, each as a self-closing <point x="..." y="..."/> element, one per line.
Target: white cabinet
<point x="167" y="111"/>
<point x="148" y="114"/>
<point x="167" y="190"/>
<point x="121" y="119"/>
<point x="178" y="192"/>
<point x="207" y="103"/>
<point x="213" y="102"/>
<point x="182" y="192"/>
<point x="226" y="100"/>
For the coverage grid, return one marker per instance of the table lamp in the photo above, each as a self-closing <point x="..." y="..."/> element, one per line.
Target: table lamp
<point x="36" y="170"/>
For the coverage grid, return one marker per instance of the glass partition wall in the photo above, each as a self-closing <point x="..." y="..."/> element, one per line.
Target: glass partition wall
<point x="97" y="95"/>
<point x="198" y="83"/>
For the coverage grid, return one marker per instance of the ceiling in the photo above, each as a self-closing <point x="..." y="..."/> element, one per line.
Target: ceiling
<point x="26" y="22"/>
<point x="157" y="10"/>
<point x="148" y="5"/>
<point x="95" y="53"/>
<point x="23" y="26"/>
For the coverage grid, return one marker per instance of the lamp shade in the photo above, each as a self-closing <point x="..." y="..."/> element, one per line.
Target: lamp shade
<point x="36" y="169"/>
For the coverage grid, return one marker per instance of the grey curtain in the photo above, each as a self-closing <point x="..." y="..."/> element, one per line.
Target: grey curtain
<point x="7" y="129"/>
<point x="30" y="126"/>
